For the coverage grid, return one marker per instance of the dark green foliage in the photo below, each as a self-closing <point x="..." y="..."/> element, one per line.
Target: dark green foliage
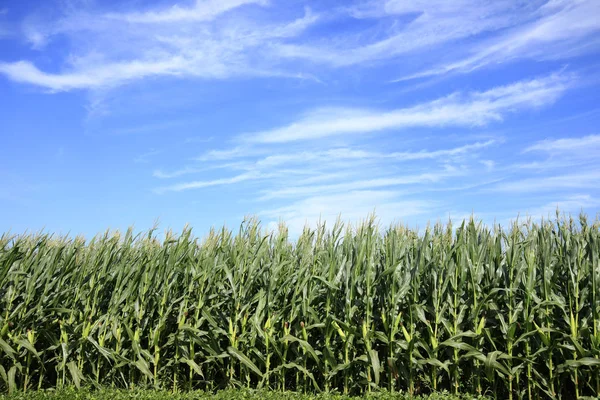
<point x="507" y="313"/>
<point x="231" y="394"/>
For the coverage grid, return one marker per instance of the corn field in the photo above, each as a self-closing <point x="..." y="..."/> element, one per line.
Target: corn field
<point x="509" y="313"/>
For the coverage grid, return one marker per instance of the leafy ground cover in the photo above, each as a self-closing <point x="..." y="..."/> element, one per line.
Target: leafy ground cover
<point x="83" y="394"/>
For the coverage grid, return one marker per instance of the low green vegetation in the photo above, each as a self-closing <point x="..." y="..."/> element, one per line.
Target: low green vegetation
<point x="231" y="394"/>
<point x="509" y="313"/>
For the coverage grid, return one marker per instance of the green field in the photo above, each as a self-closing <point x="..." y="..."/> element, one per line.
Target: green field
<point x="231" y="394"/>
<point x="509" y="312"/>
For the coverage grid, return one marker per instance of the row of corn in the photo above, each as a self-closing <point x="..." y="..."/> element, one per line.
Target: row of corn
<point x="510" y="313"/>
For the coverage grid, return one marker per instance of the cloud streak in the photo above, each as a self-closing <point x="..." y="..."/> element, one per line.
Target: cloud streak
<point x="203" y="10"/>
<point x="383" y="182"/>
<point x="555" y="183"/>
<point x="564" y="29"/>
<point x="588" y="144"/>
<point x="214" y="39"/>
<point x="333" y="155"/>
<point x="467" y="110"/>
<point x="433" y="23"/>
<point x="110" y="50"/>
<point x="107" y="75"/>
<point x="204" y="184"/>
<point x="354" y="143"/>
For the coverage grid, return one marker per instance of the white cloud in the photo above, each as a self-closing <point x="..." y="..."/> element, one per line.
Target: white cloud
<point x="203" y="10"/>
<point x="353" y="154"/>
<point x="194" y="169"/>
<point x="106" y="51"/>
<point x="307" y="156"/>
<point x="298" y="191"/>
<point x="243" y="177"/>
<point x="435" y="22"/>
<point x="294" y="174"/>
<point x="579" y="180"/>
<point x="174" y="174"/>
<point x="102" y="76"/>
<point x="561" y="154"/>
<point x="421" y="155"/>
<point x="214" y="39"/>
<point x="203" y="184"/>
<point x="472" y="109"/>
<point x="226" y="154"/>
<point x="564" y="29"/>
<point x="588" y="145"/>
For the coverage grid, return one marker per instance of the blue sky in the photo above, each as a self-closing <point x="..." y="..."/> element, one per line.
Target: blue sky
<point x="120" y="113"/>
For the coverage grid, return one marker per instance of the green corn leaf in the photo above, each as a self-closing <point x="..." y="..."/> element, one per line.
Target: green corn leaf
<point x="245" y="360"/>
<point x="76" y="375"/>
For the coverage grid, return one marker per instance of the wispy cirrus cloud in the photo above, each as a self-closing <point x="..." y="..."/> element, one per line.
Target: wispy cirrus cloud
<point x="332" y="155"/>
<point x="353" y="185"/>
<point x="159" y="173"/>
<point x="302" y="186"/>
<point x="227" y="154"/>
<point x="213" y="39"/>
<point x="196" y="169"/>
<point x="109" y="74"/>
<point x="293" y="176"/>
<point x="560" y="154"/>
<point x="76" y="21"/>
<point x="584" y="146"/>
<point x="589" y="179"/>
<point x="208" y="183"/>
<point x="458" y="109"/>
<point x="376" y="149"/>
<point x="431" y="23"/>
<point x="112" y="49"/>
<point x="559" y="165"/>
<point x="481" y="33"/>
<point x="202" y="10"/>
<point x="560" y="29"/>
<point x="301" y="175"/>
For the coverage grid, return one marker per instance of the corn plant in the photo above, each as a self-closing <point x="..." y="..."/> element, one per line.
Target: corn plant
<point x="509" y="312"/>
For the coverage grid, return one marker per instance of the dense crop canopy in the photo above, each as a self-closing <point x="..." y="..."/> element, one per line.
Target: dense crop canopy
<point x="513" y="313"/>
